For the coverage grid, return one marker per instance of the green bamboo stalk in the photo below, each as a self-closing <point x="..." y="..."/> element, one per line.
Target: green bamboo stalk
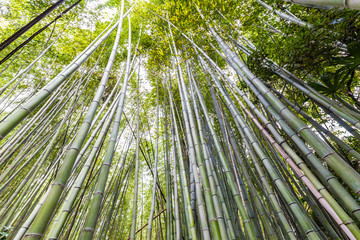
<point x="153" y="199"/>
<point x="176" y="191"/>
<point x="19" y="235"/>
<point x="241" y="185"/>
<point x="136" y="175"/>
<point x="328" y="105"/>
<point x="120" y="182"/>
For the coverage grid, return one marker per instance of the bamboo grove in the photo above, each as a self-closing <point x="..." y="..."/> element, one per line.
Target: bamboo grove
<point x="181" y="120"/>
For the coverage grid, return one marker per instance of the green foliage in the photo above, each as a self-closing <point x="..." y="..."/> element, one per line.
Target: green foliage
<point x="344" y="74"/>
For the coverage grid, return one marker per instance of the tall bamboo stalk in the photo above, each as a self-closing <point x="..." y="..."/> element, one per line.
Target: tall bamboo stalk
<point x="136" y="175"/>
<point x="153" y="199"/>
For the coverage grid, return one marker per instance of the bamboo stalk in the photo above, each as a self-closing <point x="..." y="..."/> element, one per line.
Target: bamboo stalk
<point x="352" y="4"/>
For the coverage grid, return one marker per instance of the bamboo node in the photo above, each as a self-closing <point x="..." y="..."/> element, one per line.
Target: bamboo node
<point x="236" y="194"/>
<point x="59" y="184"/>
<point x="47" y="90"/>
<point x="88" y="230"/>
<point x="350" y="150"/>
<point x="266" y="92"/>
<point x="276" y="179"/>
<point x="62" y="75"/>
<point x="25" y="108"/>
<point x="347" y="223"/>
<point x="87" y="121"/>
<point x="326" y="155"/>
<point x="300" y="164"/>
<point x="309" y="231"/>
<point x="306" y="155"/>
<point x="33" y="235"/>
<point x="75" y="148"/>
<point x="99" y="193"/>
<point x="76" y="64"/>
<point x="303" y="128"/>
<point x="356" y="210"/>
<point x="282" y="109"/>
<point x="96" y="101"/>
<point x="329" y="178"/>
